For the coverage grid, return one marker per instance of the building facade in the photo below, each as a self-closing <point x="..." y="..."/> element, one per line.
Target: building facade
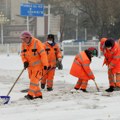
<point x="38" y="26"/>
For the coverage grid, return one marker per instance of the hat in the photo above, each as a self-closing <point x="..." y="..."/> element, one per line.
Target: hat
<point x="109" y="43"/>
<point x="93" y="51"/>
<point x="50" y="36"/>
<point x="25" y="34"/>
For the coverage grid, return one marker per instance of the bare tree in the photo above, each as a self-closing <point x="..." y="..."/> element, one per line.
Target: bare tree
<point x="101" y="17"/>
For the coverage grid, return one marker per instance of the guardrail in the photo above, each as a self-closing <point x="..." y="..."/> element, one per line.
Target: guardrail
<point x="10" y="48"/>
<point x="74" y="48"/>
<point x="67" y="48"/>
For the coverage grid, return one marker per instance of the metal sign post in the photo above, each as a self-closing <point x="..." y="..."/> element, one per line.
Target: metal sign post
<point x="33" y="10"/>
<point x="48" y="19"/>
<point x="27" y="9"/>
<point x="27" y="23"/>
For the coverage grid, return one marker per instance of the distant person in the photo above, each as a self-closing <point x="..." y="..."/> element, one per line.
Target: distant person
<point x="53" y="54"/>
<point x="81" y="68"/>
<point x="34" y="58"/>
<point x="111" y="52"/>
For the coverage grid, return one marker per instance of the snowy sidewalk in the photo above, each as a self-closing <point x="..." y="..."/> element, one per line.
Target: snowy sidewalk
<point x="60" y="104"/>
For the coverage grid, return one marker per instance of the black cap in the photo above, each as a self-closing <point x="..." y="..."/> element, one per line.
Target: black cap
<point x="109" y="43"/>
<point x="50" y="36"/>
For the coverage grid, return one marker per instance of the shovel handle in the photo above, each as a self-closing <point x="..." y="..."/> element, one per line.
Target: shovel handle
<point x="96" y="85"/>
<point x="15" y="82"/>
<point x="46" y="73"/>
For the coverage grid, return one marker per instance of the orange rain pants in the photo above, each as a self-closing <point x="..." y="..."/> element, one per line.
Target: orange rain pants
<point x="34" y="75"/>
<point x="81" y="84"/>
<point x="114" y="79"/>
<point x="49" y="77"/>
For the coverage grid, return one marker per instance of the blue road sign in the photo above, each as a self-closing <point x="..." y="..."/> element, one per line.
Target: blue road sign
<point x="27" y="9"/>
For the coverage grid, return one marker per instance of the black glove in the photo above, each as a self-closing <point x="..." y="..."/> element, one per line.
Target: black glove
<point x="49" y="67"/>
<point x="26" y="64"/>
<point x="45" y="67"/>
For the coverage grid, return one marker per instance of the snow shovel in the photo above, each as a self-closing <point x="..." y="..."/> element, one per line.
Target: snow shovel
<point x="5" y="99"/>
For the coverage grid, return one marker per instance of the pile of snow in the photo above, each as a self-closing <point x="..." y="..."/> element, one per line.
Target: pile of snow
<point x="60" y="104"/>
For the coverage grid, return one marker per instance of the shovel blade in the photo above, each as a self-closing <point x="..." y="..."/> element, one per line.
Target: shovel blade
<point x="4" y="99"/>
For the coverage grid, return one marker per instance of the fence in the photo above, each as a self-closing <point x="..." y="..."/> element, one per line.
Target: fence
<point x="10" y="48"/>
<point x="72" y="48"/>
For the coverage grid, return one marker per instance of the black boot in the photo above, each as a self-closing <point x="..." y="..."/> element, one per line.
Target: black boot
<point x="29" y="97"/>
<point x="49" y="89"/>
<point x="84" y="90"/>
<point x="38" y="97"/>
<point x="110" y="89"/>
<point x="42" y="86"/>
<point x="76" y="88"/>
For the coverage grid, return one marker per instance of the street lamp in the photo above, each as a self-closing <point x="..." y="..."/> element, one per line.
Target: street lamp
<point x="3" y="20"/>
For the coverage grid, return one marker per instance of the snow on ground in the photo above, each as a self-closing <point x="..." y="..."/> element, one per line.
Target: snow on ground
<point x="59" y="104"/>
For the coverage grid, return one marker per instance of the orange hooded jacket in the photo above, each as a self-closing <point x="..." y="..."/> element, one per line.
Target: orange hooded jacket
<point x="102" y="41"/>
<point x="113" y="58"/>
<point x="81" y="67"/>
<point x="53" y="53"/>
<point x="102" y="47"/>
<point x="34" y="53"/>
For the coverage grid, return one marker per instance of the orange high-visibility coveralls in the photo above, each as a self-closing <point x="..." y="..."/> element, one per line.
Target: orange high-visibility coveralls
<point x="53" y="53"/>
<point x="102" y="42"/>
<point x="81" y="69"/>
<point x="112" y="60"/>
<point x="35" y="54"/>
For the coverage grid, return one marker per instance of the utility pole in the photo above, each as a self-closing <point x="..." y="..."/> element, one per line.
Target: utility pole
<point x="27" y="23"/>
<point x="85" y="34"/>
<point x="77" y="26"/>
<point x="49" y="18"/>
<point x="27" y="20"/>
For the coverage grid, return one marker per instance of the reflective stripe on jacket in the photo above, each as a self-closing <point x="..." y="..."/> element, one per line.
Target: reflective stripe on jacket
<point x="114" y="64"/>
<point x="34" y="53"/>
<point x="102" y="42"/>
<point x="112" y="58"/>
<point x="81" y="67"/>
<point x="53" y="53"/>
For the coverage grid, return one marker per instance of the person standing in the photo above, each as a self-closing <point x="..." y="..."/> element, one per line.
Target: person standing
<point x="34" y="58"/>
<point x="53" y="54"/>
<point x="81" y="68"/>
<point x="111" y="53"/>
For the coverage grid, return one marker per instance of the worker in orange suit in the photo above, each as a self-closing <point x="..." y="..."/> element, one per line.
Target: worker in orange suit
<point x="111" y="52"/>
<point x="102" y="41"/>
<point x="34" y="58"/>
<point x="53" y="54"/>
<point x="81" y="68"/>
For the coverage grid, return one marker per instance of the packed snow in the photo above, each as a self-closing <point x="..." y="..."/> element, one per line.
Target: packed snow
<point x="60" y="104"/>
